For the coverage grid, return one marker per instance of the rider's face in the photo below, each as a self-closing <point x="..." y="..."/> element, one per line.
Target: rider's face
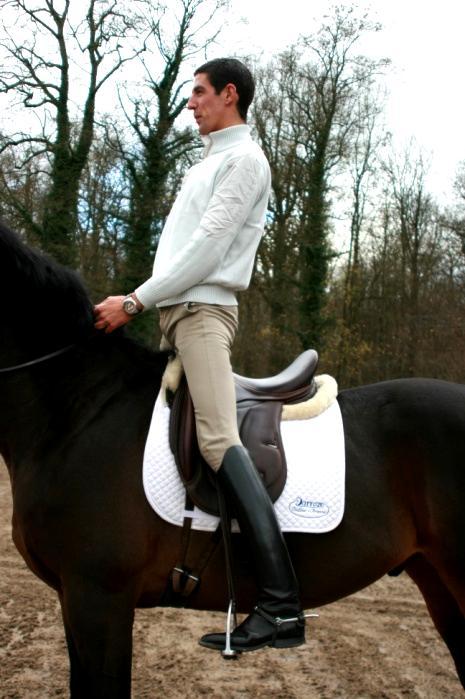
<point x="212" y="111"/>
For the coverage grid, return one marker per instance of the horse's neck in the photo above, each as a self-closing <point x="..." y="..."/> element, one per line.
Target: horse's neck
<point x="25" y="416"/>
<point x="33" y="400"/>
<point x="53" y="402"/>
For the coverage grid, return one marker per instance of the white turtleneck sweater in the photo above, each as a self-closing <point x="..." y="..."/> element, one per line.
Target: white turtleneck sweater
<point x="208" y="244"/>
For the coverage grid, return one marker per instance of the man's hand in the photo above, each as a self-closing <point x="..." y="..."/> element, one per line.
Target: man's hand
<point x="109" y="314"/>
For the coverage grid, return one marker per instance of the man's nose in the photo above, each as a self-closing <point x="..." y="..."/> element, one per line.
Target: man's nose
<point x="190" y="103"/>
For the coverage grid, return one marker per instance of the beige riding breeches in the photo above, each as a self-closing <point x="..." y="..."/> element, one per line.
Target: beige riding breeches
<point x="202" y="335"/>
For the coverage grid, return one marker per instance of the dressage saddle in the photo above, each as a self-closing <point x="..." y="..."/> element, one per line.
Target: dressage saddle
<point x="259" y="407"/>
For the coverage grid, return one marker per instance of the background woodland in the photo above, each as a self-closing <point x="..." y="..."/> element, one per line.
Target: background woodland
<point x="358" y="260"/>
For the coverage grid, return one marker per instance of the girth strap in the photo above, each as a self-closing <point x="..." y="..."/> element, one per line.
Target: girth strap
<point x="185" y="579"/>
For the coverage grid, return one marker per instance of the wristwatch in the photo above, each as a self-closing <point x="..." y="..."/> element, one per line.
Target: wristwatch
<point x="130" y="306"/>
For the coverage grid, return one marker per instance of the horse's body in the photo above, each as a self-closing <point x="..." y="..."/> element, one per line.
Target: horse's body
<point x="72" y="432"/>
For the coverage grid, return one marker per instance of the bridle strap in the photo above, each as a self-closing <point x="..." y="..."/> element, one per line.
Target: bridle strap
<point x="44" y="358"/>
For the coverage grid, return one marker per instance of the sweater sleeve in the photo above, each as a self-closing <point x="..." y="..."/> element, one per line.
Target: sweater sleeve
<point x="234" y="196"/>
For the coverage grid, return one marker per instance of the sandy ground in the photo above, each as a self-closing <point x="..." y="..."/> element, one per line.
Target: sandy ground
<point x="378" y="644"/>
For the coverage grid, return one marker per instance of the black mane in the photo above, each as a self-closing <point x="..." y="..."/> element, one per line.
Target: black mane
<point x="41" y="286"/>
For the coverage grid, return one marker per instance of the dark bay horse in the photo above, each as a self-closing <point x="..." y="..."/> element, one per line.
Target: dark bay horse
<point x="75" y="408"/>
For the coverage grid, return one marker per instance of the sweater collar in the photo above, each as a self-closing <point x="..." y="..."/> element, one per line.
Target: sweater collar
<point x="217" y="141"/>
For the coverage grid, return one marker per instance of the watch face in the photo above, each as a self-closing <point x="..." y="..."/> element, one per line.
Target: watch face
<point x="130" y="306"/>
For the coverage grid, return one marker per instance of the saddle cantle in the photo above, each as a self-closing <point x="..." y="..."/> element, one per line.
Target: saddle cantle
<point x="259" y="407"/>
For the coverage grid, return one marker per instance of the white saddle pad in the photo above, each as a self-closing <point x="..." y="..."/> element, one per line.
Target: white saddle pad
<point x="312" y="500"/>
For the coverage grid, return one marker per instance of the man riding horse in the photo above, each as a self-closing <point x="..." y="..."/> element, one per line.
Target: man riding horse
<point x="206" y="253"/>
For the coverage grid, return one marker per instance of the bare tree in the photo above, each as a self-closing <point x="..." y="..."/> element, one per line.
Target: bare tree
<point x="103" y="195"/>
<point x="326" y="93"/>
<point x="307" y="121"/>
<point x="367" y="142"/>
<point x="37" y="71"/>
<point x="276" y="277"/>
<point x="454" y="218"/>
<point x="418" y="237"/>
<point x="400" y="276"/>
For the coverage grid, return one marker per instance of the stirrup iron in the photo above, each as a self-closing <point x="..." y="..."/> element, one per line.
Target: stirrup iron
<point x="228" y="653"/>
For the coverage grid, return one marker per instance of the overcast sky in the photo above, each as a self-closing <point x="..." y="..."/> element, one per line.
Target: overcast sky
<point x="423" y="38"/>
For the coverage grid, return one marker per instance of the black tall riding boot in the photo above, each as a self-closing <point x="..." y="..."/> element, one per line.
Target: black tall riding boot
<point x="277" y="619"/>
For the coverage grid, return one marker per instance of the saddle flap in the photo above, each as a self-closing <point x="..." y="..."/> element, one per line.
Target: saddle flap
<point x="260" y="434"/>
<point x="197" y="476"/>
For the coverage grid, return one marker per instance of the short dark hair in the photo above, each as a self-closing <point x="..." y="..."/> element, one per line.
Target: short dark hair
<point x="222" y="71"/>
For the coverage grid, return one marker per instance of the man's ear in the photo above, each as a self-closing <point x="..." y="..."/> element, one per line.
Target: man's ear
<point x="230" y="93"/>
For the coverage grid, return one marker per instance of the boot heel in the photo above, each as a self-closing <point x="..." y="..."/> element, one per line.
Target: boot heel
<point x="291" y="637"/>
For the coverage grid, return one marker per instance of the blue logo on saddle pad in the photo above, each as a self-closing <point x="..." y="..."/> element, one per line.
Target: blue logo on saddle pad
<point x="308" y="508"/>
